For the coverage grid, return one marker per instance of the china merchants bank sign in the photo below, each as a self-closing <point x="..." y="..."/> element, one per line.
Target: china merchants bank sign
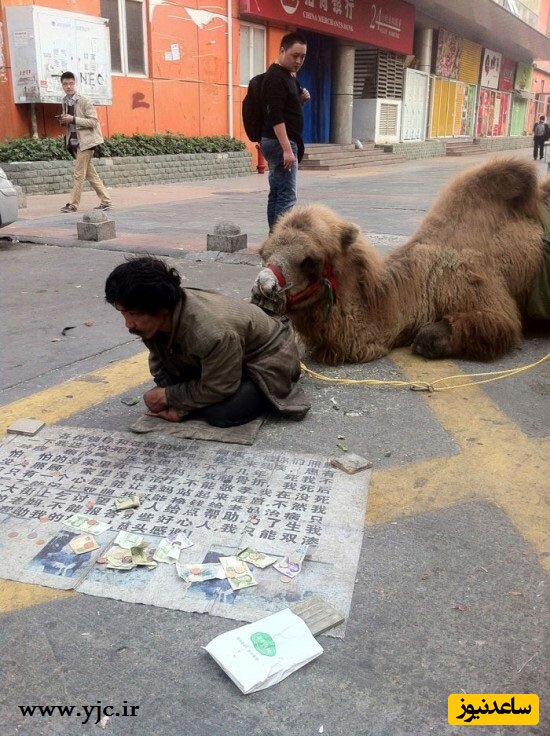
<point x="388" y="24"/>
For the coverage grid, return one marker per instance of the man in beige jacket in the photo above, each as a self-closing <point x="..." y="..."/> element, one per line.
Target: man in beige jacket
<point x="82" y="135"/>
<point x="222" y="359"/>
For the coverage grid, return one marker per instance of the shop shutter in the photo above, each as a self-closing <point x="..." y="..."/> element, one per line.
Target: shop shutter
<point x="519" y="113"/>
<point x="460" y="103"/>
<point x="470" y="62"/>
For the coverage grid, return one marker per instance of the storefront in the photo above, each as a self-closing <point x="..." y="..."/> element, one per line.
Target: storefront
<point x="333" y="31"/>
<point x="454" y="86"/>
<point x="493" y="114"/>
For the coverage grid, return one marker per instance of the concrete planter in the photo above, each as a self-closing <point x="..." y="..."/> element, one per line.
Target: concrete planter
<point x="55" y="177"/>
<point x="505" y="143"/>
<point x="437" y="146"/>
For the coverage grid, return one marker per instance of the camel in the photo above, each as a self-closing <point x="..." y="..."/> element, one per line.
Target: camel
<point x="457" y="288"/>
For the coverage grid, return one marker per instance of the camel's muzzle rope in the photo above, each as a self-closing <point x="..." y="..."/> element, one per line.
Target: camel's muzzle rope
<point x="431" y="387"/>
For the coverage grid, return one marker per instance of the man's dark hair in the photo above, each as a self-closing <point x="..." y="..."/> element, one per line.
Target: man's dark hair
<point x="290" y="39"/>
<point x="67" y="75"/>
<point x="542" y="118"/>
<point x="143" y="284"/>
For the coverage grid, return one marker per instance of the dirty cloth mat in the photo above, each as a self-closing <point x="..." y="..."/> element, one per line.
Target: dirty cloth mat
<point x="223" y="497"/>
<point x="198" y="429"/>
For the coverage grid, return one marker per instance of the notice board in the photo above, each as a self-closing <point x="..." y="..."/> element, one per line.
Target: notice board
<point x="45" y="42"/>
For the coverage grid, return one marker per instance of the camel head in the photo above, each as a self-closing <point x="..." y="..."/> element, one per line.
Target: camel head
<point x="302" y="259"/>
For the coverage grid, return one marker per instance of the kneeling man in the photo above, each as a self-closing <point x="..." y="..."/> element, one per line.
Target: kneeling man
<point x="211" y="356"/>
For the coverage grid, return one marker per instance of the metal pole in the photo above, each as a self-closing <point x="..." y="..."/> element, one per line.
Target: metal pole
<point x="34" y="122"/>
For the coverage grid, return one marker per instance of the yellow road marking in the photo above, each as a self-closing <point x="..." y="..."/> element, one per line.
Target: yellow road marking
<point x="495" y="461"/>
<point x="71" y="397"/>
<point x="14" y="595"/>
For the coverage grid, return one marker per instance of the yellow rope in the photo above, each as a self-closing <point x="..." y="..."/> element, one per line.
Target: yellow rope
<point x="464" y="380"/>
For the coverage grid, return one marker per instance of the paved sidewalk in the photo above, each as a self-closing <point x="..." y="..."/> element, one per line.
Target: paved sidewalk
<point x="175" y="219"/>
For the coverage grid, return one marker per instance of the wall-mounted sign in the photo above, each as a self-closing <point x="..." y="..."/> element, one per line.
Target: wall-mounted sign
<point x="490" y="68"/>
<point x="524" y="77"/>
<point x="449" y="47"/>
<point x="45" y="42"/>
<point x="388" y="24"/>
<point x="507" y="74"/>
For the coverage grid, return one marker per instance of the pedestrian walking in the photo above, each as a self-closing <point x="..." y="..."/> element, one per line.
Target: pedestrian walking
<point x="540" y="135"/>
<point x="281" y="143"/>
<point x="82" y="135"/>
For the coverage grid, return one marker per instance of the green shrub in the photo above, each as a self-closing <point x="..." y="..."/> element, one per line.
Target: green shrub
<point x="33" y="149"/>
<point x="53" y="149"/>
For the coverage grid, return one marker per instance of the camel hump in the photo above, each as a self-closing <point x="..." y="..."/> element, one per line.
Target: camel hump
<point x="507" y="179"/>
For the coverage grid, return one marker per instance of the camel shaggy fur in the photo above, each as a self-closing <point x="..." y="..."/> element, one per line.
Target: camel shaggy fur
<point x="457" y="287"/>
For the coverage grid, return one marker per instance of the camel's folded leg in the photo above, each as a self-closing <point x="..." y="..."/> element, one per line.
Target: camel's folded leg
<point x="479" y="335"/>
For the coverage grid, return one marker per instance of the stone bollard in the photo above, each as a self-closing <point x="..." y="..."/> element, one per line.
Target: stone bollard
<point x="96" y="226"/>
<point x="227" y="238"/>
<point x="21" y="197"/>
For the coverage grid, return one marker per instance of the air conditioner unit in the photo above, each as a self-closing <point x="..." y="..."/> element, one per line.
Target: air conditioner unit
<point x="388" y="121"/>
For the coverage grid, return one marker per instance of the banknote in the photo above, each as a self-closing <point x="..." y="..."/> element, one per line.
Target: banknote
<point x="258" y="559"/>
<point x="86" y="524"/>
<point x="128" y="540"/>
<point x="84" y="543"/>
<point x="237" y="572"/>
<point x="291" y="565"/>
<point x="126" y="502"/>
<point x="118" y="559"/>
<point x="167" y="551"/>
<point x="181" y="539"/>
<point x="198" y="573"/>
<point x="142" y="556"/>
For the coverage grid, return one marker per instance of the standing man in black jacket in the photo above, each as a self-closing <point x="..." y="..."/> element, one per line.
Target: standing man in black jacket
<point x="540" y="135"/>
<point x="283" y="126"/>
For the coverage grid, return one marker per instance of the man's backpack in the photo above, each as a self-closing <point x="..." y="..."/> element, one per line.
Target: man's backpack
<point x="253" y="112"/>
<point x="540" y="130"/>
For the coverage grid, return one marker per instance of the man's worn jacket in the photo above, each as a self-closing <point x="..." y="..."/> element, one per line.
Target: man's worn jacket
<point x="88" y="129"/>
<point x="217" y="341"/>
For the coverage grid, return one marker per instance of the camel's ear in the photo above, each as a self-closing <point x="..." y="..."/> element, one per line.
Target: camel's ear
<point x="350" y="233"/>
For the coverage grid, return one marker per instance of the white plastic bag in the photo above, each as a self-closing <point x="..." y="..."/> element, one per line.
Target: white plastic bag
<point x="261" y="654"/>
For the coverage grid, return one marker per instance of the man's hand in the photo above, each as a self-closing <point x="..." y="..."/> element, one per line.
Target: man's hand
<point x="171" y="415"/>
<point x="155" y="400"/>
<point x="304" y="95"/>
<point x="65" y="119"/>
<point x="289" y="159"/>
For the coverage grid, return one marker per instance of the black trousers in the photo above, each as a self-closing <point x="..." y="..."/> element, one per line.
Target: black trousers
<point x="246" y="404"/>
<point x="538" y="146"/>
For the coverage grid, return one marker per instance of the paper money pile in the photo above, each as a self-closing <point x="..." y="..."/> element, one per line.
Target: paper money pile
<point x="237" y="572"/>
<point x="167" y="551"/>
<point x="198" y="573"/>
<point x="86" y="524"/>
<point x="258" y="559"/>
<point x="127" y="557"/>
<point x="83" y="543"/>
<point x="235" y="569"/>
<point x="129" y="550"/>
<point x="291" y="565"/>
<point x="127" y="502"/>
